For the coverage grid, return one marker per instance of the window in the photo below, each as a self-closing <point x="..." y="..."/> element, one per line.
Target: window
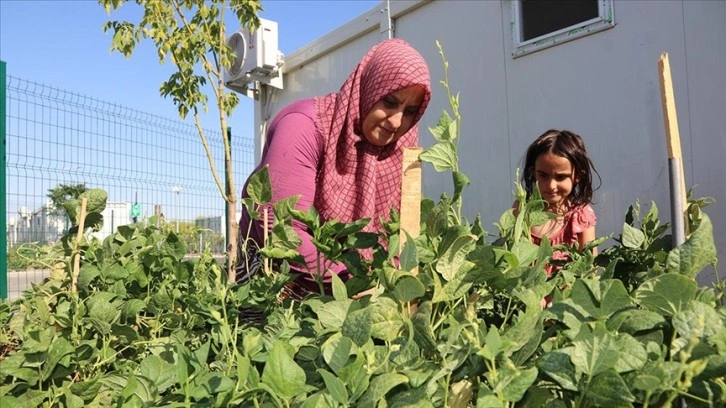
<point x="540" y="24"/>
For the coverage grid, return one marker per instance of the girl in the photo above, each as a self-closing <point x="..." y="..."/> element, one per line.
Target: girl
<point x="558" y="164"/>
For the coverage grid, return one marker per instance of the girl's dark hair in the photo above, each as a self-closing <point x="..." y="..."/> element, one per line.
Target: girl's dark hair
<point x="570" y="146"/>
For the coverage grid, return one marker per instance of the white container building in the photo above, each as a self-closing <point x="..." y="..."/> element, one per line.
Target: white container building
<point x="519" y="73"/>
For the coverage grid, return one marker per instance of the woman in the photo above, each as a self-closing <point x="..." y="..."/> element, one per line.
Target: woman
<point x="342" y="153"/>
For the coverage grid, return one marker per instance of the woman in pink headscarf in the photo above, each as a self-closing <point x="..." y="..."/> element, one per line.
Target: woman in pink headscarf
<point x="342" y="153"/>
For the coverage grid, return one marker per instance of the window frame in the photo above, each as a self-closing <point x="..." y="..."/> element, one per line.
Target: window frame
<point x="604" y="21"/>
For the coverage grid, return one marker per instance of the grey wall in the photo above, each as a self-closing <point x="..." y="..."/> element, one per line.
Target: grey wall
<point x="603" y="86"/>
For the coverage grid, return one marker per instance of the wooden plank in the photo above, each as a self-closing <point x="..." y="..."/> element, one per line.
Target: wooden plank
<point x="670" y="119"/>
<point x="411" y="194"/>
<point x="77" y="251"/>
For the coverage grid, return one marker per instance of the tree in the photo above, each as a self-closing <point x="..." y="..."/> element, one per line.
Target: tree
<point x="192" y="35"/>
<point x="61" y="194"/>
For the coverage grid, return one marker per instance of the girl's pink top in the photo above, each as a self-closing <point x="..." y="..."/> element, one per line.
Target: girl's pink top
<point x="576" y="221"/>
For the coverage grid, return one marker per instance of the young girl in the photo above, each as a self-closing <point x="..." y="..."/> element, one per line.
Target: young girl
<point x="558" y="164"/>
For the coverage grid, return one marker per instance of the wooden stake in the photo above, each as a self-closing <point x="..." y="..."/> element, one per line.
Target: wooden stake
<point x="411" y="195"/>
<point x="266" y="224"/>
<point x="79" y="236"/>
<point x="670" y="119"/>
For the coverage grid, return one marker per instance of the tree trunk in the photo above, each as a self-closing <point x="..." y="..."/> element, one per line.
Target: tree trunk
<point x="232" y="238"/>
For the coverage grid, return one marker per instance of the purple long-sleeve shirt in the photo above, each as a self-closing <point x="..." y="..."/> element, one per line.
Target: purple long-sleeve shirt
<point x="293" y="152"/>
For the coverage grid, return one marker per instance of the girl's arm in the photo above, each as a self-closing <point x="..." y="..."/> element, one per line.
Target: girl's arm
<point x="586" y="236"/>
<point x="584" y="221"/>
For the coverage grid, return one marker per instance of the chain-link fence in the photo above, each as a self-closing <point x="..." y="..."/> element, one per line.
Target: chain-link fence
<point x="57" y="140"/>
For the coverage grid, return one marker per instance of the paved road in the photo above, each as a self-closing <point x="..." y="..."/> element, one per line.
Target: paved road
<point x="18" y="281"/>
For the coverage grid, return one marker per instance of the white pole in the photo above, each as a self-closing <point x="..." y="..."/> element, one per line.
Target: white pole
<point x="177" y="190"/>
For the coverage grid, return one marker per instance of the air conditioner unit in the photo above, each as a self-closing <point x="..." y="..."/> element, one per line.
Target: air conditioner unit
<point x="257" y="59"/>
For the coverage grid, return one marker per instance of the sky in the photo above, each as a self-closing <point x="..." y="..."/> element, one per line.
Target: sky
<point x="61" y="43"/>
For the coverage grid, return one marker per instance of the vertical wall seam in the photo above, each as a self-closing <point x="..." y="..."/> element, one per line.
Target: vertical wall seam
<point x="688" y="101"/>
<point x="506" y="88"/>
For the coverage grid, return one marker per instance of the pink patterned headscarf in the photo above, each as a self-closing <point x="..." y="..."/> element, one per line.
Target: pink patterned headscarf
<point x="357" y="179"/>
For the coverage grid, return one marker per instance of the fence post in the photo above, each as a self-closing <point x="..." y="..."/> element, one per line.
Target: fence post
<point x="226" y="189"/>
<point x="3" y="185"/>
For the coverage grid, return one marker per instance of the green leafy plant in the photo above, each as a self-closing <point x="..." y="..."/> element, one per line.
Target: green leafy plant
<point x="147" y="327"/>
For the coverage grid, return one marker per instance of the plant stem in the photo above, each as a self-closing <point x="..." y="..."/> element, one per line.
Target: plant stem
<point x="507" y="314"/>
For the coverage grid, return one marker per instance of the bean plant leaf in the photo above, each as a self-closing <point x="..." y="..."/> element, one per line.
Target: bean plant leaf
<point x="409" y="257"/>
<point x="86" y="390"/>
<point x="594" y="352"/>
<point x="454" y="256"/>
<point x="356" y="377"/>
<point x="385" y="320"/>
<point x="259" y="187"/>
<point x="442" y="156"/>
<point x="319" y="400"/>
<point x="635" y="320"/>
<point x="492" y="345"/>
<point x="93" y="221"/>
<point x="138" y="387"/>
<point x="281" y="372"/>
<point x="646" y="382"/>
<point x="96" y="200"/>
<point x="441" y="131"/>
<point x="525" y="251"/>
<point x="125" y="334"/>
<point x="57" y="352"/>
<point x="379" y="387"/>
<point x="339" y="291"/>
<point x="86" y="275"/>
<point x="361" y="240"/>
<point x="486" y="399"/>
<point x="31" y="398"/>
<point x="632" y="355"/>
<point x="537" y="218"/>
<point x="698" y="320"/>
<point x="423" y="334"/>
<point x="558" y="366"/>
<point x="697" y="252"/>
<point x="533" y="341"/>
<point x="600" y="299"/>
<point x="132" y="308"/>
<point x="243" y="369"/>
<point x="666" y="294"/>
<point x="614" y="297"/>
<point x="161" y="373"/>
<point x="632" y="237"/>
<point x="210" y="384"/>
<point x="333" y="314"/>
<point x="462" y="281"/>
<point x="525" y="328"/>
<point x="411" y="398"/>
<point x="460" y="181"/>
<point x="608" y="389"/>
<point x="336" y="352"/>
<point x="101" y="307"/>
<point x="358" y="326"/>
<point x="511" y="383"/>
<point x="408" y="288"/>
<point x="334" y="386"/>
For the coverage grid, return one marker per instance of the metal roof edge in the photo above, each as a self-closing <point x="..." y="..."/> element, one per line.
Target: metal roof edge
<point x="348" y="32"/>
